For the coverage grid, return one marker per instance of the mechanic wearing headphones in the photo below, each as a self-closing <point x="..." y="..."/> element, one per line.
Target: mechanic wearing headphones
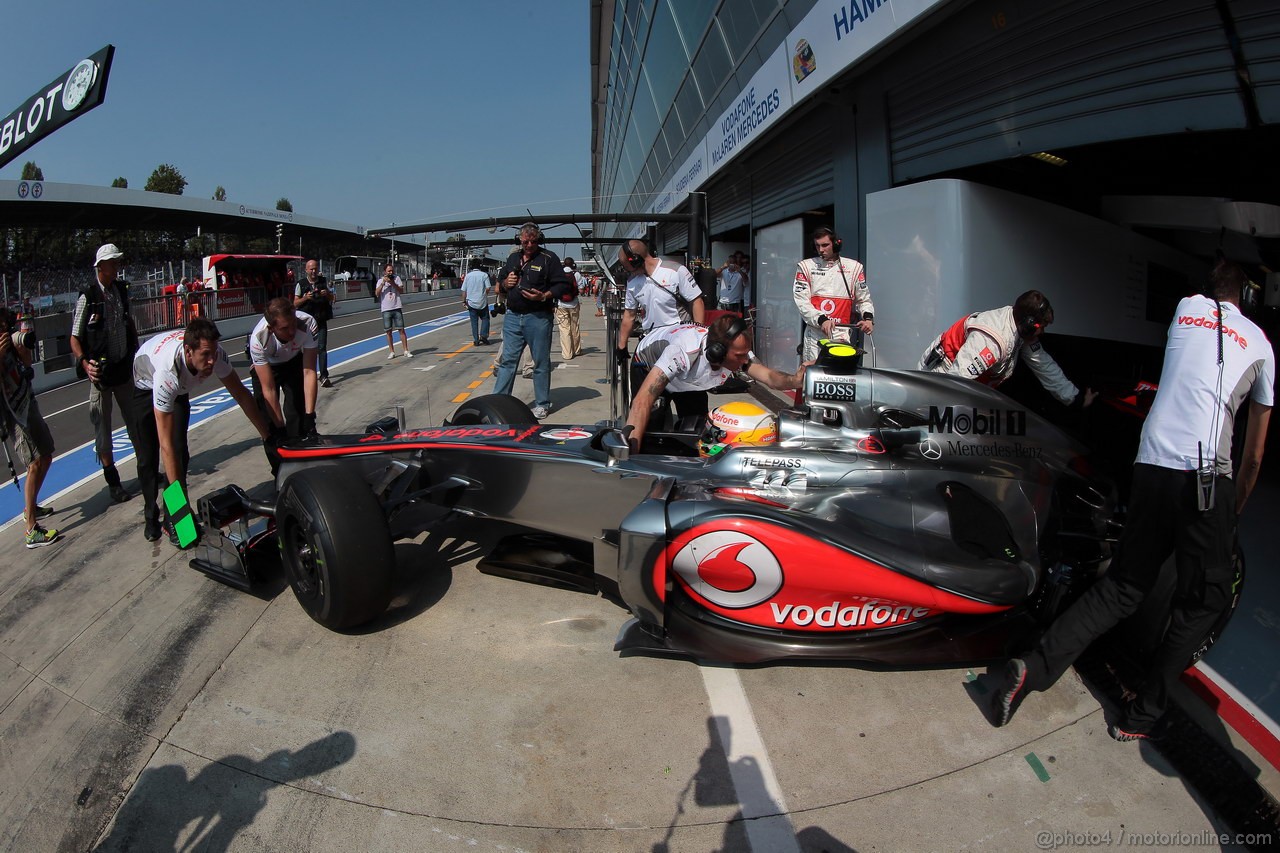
<point x="691" y="360"/>
<point x="663" y="292"/>
<point x="831" y="293"/>
<point x="985" y="346"/>
<point x="1184" y="502"/>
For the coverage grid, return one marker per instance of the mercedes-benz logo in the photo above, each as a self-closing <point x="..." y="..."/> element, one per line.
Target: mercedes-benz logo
<point x="930" y="449"/>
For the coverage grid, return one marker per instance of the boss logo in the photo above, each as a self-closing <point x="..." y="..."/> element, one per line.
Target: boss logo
<point x="834" y="391"/>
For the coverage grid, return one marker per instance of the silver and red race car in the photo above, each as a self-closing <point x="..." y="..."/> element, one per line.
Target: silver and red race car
<point x="900" y="518"/>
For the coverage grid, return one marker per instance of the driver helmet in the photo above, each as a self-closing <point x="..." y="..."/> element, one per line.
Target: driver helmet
<point x="737" y="424"/>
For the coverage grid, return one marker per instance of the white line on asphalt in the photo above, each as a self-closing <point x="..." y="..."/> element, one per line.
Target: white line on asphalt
<point x="764" y="809"/>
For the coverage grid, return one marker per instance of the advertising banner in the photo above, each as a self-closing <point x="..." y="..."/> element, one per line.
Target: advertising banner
<point x="67" y="98"/>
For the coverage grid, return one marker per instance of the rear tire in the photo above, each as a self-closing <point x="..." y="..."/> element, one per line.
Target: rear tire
<point x="493" y="409"/>
<point x="335" y="546"/>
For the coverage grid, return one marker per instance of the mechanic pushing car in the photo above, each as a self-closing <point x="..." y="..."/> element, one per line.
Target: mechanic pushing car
<point x="1185" y="502"/>
<point x="690" y="360"/>
<point x="986" y="345"/>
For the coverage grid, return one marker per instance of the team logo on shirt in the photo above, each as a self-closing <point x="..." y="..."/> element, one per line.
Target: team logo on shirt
<point x="987" y="356"/>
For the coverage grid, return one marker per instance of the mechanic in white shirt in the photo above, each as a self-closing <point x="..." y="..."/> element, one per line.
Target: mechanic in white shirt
<point x="689" y="360"/>
<point x="1184" y="502"/>
<point x="166" y="369"/>
<point x="282" y="352"/>
<point x="662" y="292"/>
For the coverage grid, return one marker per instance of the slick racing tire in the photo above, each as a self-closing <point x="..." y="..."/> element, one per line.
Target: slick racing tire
<point x="335" y="546"/>
<point x="493" y="409"/>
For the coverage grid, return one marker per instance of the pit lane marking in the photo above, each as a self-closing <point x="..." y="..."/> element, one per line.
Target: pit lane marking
<point x="764" y="809"/>
<point x="459" y="351"/>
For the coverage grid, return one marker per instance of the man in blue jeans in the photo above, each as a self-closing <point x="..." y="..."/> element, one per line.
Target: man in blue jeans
<point x="475" y="296"/>
<point x="533" y="281"/>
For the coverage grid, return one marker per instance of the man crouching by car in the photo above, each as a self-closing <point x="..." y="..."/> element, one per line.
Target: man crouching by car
<point x="693" y="358"/>
<point x="165" y="372"/>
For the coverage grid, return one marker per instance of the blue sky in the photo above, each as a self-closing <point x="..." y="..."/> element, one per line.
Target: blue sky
<point x="370" y="112"/>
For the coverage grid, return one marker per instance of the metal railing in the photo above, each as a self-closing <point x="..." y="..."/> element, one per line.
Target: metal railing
<point x="158" y="313"/>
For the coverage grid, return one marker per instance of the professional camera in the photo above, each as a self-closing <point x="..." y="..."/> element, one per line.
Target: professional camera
<point x="26" y="340"/>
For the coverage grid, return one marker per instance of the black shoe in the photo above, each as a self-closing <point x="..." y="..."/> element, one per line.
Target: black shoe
<point x="152" y="529"/>
<point x="1118" y="732"/>
<point x="1008" y="697"/>
<point x="484" y="342"/>
<point x="119" y="495"/>
<point x="475" y="343"/>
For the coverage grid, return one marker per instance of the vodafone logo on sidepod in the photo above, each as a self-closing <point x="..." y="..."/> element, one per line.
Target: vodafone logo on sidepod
<point x="729" y="568"/>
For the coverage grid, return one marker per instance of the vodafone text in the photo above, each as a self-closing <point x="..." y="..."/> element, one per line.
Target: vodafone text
<point x="1212" y="324"/>
<point x="847" y="616"/>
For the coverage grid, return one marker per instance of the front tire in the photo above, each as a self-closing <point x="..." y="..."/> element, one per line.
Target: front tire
<point x="335" y="546"/>
<point x="493" y="409"/>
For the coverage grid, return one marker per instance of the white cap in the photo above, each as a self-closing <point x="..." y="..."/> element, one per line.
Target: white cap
<point x="107" y="252"/>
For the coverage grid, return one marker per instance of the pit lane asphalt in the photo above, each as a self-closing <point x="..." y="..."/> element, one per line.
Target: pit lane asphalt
<point x="144" y="706"/>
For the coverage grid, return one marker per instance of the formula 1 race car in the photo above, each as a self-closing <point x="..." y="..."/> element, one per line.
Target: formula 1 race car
<point x="899" y="518"/>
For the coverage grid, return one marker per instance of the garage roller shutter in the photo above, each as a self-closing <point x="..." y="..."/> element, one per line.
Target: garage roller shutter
<point x="1002" y="81"/>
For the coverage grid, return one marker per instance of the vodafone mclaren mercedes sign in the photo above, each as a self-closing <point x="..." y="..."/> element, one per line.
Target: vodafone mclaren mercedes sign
<point x="70" y="96"/>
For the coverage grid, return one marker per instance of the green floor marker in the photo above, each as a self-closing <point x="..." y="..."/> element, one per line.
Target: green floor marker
<point x="184" y="524"/>
<point x="1041" y="773"/>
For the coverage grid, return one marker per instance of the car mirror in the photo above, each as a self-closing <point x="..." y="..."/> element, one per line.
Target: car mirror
<point x="615" y="446"/>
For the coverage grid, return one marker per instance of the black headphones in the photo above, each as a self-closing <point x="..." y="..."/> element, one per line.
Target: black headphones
<point x="718" y="350"/>
<point x="630" y="254"/>
<point x="1034" y="321"/>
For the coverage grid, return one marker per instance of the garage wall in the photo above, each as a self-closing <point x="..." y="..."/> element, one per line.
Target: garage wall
<point x="1008" y="79"/>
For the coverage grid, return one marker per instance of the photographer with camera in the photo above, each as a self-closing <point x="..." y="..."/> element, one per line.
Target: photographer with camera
<point x="22" y="429"/>
<point x="388" y="290"/>
<point x="533" y="282"/>
<point x="104" y="341"/>
<point x="313" y="296"/>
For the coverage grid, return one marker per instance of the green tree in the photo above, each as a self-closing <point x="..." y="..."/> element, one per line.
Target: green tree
<point x="121" y="183"/>
<point x="31" y="172"/>
<point x="220" y="194"/>
<point x="284" y="204"/>
<point x="166" y="179"/>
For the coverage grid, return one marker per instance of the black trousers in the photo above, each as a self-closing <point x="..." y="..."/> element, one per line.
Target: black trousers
<point x="146" y="444"/>
<point x="1163" y="520"/>
<point x="288" y="380"/>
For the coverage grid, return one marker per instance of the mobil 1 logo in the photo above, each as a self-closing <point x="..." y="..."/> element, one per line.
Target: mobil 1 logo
<point x="958" y="420"/>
